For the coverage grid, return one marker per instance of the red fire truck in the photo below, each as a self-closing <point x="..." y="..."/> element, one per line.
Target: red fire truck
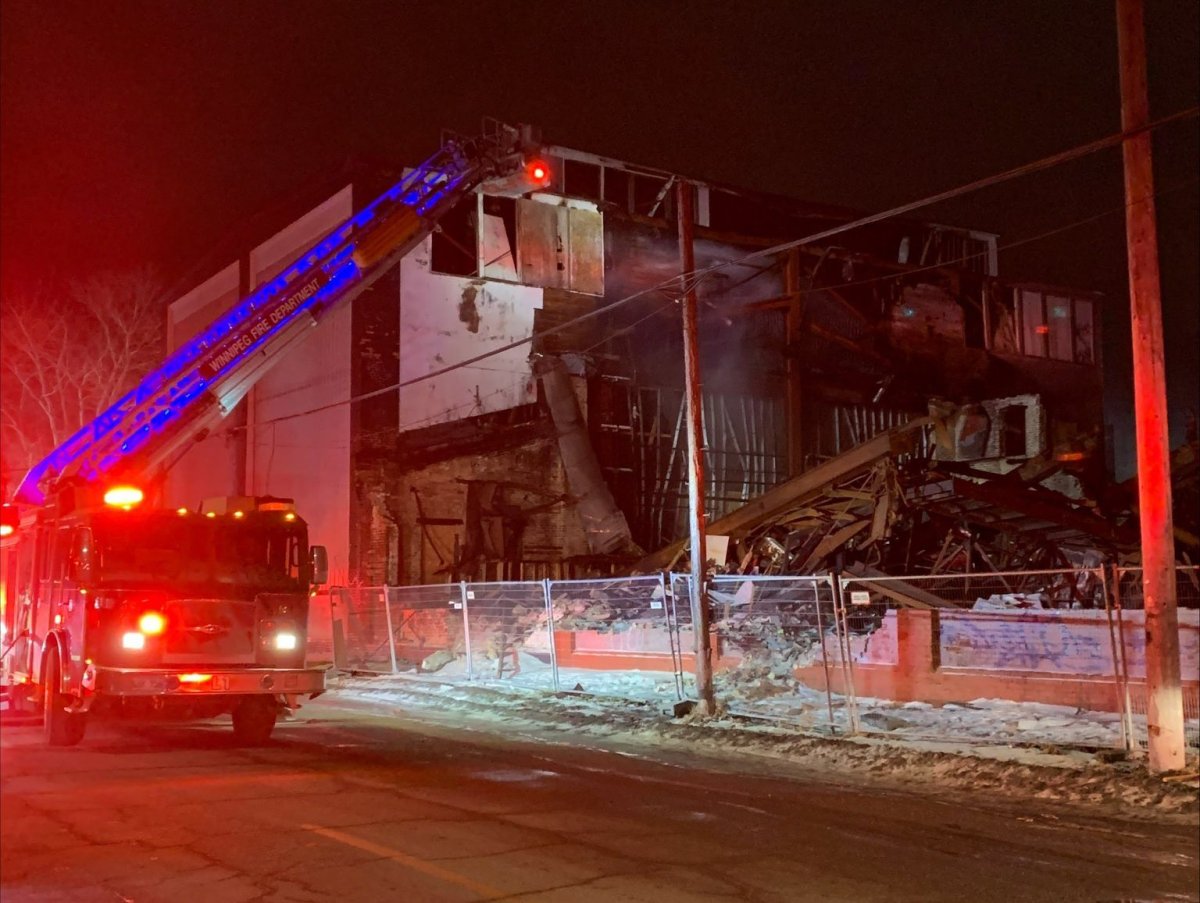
<point x="111" y="604"/>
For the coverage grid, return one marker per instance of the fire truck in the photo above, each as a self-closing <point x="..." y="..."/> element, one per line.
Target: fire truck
<point x="111" y="601"/>
<point x="114" y="604"/>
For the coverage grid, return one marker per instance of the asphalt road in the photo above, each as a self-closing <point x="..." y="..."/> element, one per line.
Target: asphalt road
<point x="349" y="805"/>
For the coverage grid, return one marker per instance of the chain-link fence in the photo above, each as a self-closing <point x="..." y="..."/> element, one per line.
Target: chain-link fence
<point x="1032" y="657"/>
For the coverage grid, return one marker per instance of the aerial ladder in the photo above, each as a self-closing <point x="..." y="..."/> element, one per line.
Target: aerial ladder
<point x="201" y="382"/>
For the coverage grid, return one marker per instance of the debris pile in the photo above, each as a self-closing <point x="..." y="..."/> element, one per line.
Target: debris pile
<point x="935" y="496"/>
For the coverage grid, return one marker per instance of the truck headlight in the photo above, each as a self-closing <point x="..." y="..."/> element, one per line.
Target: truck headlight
<point x="286" y="642"/>
<point x="133" y="640"/>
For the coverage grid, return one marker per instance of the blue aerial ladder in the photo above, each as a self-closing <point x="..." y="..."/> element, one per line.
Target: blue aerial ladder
<point x="204" y="380"/>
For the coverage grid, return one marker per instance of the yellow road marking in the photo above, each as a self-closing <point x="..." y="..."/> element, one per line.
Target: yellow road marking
<point x="420" y="865"/>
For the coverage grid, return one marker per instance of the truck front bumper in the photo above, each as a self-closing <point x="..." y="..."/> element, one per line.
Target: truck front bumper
<point x="230" y="681"/>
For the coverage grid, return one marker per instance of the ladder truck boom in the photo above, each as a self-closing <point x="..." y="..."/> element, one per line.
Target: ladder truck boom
<point x="204" y="380"/>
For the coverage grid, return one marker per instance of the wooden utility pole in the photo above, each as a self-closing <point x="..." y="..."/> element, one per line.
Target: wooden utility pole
<point x="695" y="445"/>
<point x="1164" y="706"/>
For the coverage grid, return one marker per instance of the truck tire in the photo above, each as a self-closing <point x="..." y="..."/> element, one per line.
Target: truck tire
<point x="254" y="719"/>
<point x="62" y="728"/>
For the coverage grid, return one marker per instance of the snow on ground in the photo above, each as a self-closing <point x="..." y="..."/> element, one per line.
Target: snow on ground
<point x="631" y="709"/>
<point x="789" y="702"/>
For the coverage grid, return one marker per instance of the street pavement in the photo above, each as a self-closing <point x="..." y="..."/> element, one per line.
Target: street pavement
<point x="350" y="804"/>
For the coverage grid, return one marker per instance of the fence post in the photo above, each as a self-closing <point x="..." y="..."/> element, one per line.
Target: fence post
<point x="1128" y="702"/>
<point x="839" y="616"/>
<point x="387" y="616"/>
<point x="462" y="586"/>
<point x="1112" y="639"/>
<point x="825" y="657"/>
<point x="671" y="616"/>
<point x="550" y="633"/>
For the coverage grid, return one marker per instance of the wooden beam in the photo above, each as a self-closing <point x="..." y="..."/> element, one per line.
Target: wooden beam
<point x="789" y="495"/>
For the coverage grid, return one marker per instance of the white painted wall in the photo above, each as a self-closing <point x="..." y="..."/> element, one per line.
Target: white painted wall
<point x="306" y="457"/>
<point x="433" y="335"/>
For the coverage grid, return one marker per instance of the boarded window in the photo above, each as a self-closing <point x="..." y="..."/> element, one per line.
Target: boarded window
<point x="560" y="247"/>
<point x="498" y="237"/>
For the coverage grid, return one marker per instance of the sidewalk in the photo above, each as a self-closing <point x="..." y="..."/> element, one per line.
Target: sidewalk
<point x="1073" y="778"/>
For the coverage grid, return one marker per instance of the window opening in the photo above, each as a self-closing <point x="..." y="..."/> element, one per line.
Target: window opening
<point x="454" y="246"/>
<point x="581" y="180"/>
<point x="1013" y="438"/>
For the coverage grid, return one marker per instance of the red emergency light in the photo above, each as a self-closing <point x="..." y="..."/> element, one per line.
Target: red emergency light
<point x="538" y="172"/>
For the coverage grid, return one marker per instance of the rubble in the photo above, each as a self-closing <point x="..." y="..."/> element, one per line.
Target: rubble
<point x="883" y="509"/>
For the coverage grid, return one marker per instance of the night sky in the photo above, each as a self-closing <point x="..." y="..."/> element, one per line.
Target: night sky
<point x="136" y="132"/>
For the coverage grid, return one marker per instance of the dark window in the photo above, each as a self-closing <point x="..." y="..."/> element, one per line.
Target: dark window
<point x="649" y="198"/>
<point x="582" y="180"/>
<point x="453" y="247"/>
<point x="617" y="188"/>
<point x="1013" y="437"/>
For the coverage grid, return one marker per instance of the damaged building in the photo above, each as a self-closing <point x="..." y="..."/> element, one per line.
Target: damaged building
<point x="884" y="400"/>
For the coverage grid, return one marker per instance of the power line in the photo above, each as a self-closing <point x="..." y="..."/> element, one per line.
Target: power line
<point x="692" y="278"/>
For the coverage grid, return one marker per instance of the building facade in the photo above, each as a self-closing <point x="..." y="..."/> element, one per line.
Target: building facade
<point x="506" y="403"/>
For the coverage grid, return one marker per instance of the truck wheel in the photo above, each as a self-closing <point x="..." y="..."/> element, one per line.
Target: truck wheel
<point x="254" y="719"/>
<point x="62" y="728"/>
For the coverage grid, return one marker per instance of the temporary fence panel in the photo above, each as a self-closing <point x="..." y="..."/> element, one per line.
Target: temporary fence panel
<point x="1131" y="621"/>
<point x="612" y="637"/>
<point x="773" y="639"/>
<point x="427" y="628"/>
<point x="362" y="614"/>
<point x="1016" y="657"/>
<point x="508" y="634"/>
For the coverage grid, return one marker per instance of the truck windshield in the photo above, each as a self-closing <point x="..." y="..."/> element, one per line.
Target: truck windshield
<point x="255" y="553"/>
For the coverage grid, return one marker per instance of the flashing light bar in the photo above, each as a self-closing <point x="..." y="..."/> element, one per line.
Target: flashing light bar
<point x="124" y="497"/>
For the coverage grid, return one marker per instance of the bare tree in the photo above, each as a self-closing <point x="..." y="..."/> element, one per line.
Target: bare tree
<point x="67" y="352"/>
